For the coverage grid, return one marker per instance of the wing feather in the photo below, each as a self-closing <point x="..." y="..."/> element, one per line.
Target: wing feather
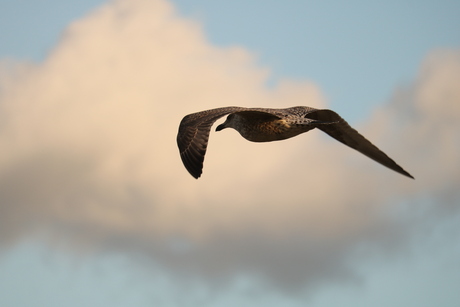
<point x="342" y="132"/>
<point x="193" y="135"/>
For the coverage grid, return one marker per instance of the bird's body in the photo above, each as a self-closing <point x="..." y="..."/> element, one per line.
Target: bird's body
<point x="267" y="125"/>
<point x="259" y="126"/>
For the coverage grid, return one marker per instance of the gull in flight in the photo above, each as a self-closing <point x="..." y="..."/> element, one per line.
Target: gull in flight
<point x="267" y="125"/>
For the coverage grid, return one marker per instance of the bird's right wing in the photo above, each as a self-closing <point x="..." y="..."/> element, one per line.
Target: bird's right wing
<point x="340" y="130"/>
<point x="193" y="135"/>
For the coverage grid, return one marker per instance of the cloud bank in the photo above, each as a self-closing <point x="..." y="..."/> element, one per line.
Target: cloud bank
<point x="89" y="159"/>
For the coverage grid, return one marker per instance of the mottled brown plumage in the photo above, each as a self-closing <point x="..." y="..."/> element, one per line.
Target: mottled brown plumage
<point x="266" y="125"/>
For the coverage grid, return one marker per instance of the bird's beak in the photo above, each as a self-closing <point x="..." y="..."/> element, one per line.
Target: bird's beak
<point x="220" y="127"/>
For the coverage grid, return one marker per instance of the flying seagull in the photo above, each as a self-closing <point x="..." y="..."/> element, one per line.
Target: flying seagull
<point x="267" y="125"/>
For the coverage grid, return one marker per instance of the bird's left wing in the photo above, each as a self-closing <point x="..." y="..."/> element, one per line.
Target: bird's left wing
<point x="193" y="135"/>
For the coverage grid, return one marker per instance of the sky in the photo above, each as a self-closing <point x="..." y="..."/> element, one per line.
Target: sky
<point x="97" y="208"/>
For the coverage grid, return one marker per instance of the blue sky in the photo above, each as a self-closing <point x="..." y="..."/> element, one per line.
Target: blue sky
<point x="382" y="44"/>
<point x="361" y="57"/>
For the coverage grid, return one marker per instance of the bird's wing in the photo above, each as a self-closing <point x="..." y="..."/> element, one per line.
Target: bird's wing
<point x="193" y="135"/>
<point x="340" y="130"/>
<point x="259" y="114"/>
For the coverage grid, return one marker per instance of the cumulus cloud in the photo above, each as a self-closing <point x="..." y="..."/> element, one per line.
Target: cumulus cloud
<point x="89" y="158"/>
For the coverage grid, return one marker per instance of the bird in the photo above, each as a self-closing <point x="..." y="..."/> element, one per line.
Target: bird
<point x="267" y="125"/>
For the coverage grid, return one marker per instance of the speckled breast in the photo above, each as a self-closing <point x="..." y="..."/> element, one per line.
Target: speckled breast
<point x="268" y="131"/>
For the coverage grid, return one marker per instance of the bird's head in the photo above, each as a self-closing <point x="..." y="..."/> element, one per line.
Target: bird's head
<point x="228" y="123"/>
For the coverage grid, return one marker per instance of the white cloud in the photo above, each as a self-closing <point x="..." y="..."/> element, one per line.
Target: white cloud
<point x="89" y="155"/>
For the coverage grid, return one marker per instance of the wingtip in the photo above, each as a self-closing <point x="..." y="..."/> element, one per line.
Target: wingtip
<point x="403" y="172"/>
<point x="195" y="174"/>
